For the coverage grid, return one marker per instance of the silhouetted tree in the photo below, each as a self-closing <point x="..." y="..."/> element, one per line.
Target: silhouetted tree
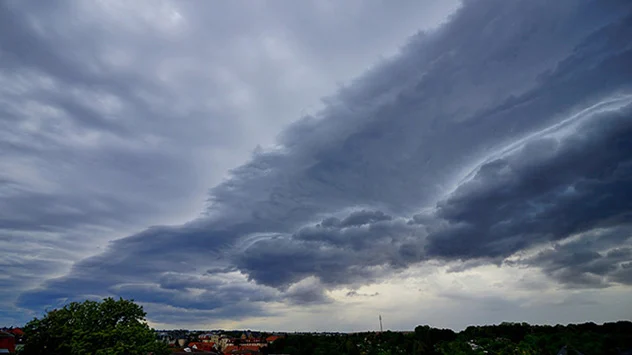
<point x="103" y="328"/>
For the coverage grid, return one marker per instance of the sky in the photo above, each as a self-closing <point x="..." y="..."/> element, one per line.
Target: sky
<point x="308" y="166"/>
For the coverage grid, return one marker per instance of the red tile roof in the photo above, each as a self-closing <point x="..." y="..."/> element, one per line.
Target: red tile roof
<point x="16" y="331"/>
<point x="230" y="348"/>
<point x="202" y="346"/>
<point x="6" y="335"/>
<point x="244" y="349"/>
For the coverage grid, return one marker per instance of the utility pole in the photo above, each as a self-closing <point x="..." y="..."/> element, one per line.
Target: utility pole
<point x="381" y="330"/>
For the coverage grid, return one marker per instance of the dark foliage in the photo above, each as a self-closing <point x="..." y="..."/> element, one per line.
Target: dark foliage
<point x="505" y="338"/>
<point x="100" y="328"/>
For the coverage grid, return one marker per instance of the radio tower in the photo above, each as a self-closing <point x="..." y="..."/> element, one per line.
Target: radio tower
<point x="381" y="330"/>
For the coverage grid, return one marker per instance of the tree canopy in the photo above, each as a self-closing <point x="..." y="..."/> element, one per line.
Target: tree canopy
<point x="101" y="328"/>
<point x="501" y="339"/>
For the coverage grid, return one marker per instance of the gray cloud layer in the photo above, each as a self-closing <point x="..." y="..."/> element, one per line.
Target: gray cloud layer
<point x="505" y="129"/>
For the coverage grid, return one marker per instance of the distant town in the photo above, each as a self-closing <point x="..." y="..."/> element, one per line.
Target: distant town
<point x="218" y="341"/>
<point x="179" y="341"/>
<point x="243" y="342"/>
<point x="505" y="338"/>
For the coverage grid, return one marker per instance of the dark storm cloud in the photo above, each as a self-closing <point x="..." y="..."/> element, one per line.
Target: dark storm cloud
<point x="212" y="299"/>
<point x="595" y="259"/>
<point x="364" y="217"/>
<point x="375" y="181"/>
<point x="336" y="254"/>
<point x="357" y="294"/>
<point x="547" y="190"/>
<point x="105" y="113"/>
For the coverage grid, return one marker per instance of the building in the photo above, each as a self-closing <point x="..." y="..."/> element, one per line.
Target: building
<point x="7" y="342"/>
<point x="209" y="337"/>
<point x="17" y="332"/>
<point x="166" y="338"/>
<point x="254" y="342"/>
<point x="224" y="342"/>
<point x="242" y="350"/>
<point x="198" y="345"/>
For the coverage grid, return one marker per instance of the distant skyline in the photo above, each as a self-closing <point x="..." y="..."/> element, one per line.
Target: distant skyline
<point x="310" y="165"/>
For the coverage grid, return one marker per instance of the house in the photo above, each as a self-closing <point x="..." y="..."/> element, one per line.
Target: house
<point x="7" y="342"/>
<point x="242" y="350"/>
<point x="166" y="338"/>
<point x="181" y="351"/>
<point x="272" y="338"/>
<point x="254" y="342"/>
<point x="209" y="338"/>
<point x="17" y="332"/>
<point x="246" y="335"/>
<point x="225" y="341"/>
<point x="198" y="345"/>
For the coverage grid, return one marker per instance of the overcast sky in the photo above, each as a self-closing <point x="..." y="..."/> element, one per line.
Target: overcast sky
<point x="308" y="165"/>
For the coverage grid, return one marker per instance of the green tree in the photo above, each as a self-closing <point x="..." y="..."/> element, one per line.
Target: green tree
<point x="457" y="348"/>
<point x="351" y="348"/>
<point x="98" y="328"/>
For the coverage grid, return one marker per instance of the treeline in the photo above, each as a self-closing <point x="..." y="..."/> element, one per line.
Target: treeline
<point x="505" y="338"/>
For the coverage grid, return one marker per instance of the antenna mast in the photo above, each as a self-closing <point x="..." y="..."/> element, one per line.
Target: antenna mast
<point x="381" y="330"/>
